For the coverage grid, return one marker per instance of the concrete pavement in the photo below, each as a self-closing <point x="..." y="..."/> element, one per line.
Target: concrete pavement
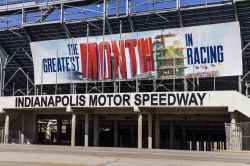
<point x="46" y="155"/>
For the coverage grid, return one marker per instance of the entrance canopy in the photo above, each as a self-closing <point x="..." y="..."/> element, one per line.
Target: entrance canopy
<point x="199" y="99"/>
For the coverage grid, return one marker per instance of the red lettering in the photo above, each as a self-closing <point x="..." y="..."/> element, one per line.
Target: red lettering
<point x="146" y="55"/>
<point x="131" y="43"/>
<point x="107" y="60"/>
<point x="92" y="60"/>
<point x="100" y="63"/>
<point x="83" y="49"/>
<point x="119" y="59"/>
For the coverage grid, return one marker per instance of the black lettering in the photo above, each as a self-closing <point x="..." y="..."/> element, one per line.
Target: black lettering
<point x="193" y="99"/>
<point x="102" y="100"/>
<point x="27" y="101"/>
<point x="31" y="103"/>
<point x="126" y="99"/>
<point x="37" y="102"/>
<point x="92" y="100"/>
<point x="82" y="101"/>
<point x="71" y="101"/>
<point x="182" y="98"/>
<point x="162" y="99"/>
<point x="20" y="102"/>
<point x="65" y="100"/>
<point x="58" y="100"/>
<point x="201" y="97"/>
<point x="145" y="98"/>
<point x="109" y="99"/>
<point x="51" y="101"/>
<point x="44" y="102"/>
<point x="117" y="103"/>
<point x="154" y="99"/>
<point x="171" y="102"/>
<point x="137" y="101"/>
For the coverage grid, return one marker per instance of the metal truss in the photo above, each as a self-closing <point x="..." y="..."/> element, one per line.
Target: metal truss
<point x="19" y="69"/>
<point x="99" y="19"/>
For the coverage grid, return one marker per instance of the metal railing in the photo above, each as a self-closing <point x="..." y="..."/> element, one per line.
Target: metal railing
<point x="238" y="136"/>
<point x="90" y="10"/>
<point x="14" y="137"/>
<point x="11" y="2"/>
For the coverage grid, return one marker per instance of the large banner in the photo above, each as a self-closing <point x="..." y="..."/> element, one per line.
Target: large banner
<point x="200" y="51"/>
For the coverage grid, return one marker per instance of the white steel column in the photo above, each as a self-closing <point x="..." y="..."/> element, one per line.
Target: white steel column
<point x="96" y="130"/>
<point x="139" y="130"/>
<point x="86" y="131"/>
<point x="6" y="129"/>
<point x="157" y="131"/>
<point x="73" y="129"/>
<point x="149" y="131"/>
<point x="239" y="82"/>
<point x="115" y="133"/>
<point x="233" y="139"/>
<point x="233" y="118"/>
<point x="23" y="127"/>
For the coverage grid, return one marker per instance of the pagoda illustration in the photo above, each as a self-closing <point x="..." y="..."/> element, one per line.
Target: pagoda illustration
<point x="169" y="58"/>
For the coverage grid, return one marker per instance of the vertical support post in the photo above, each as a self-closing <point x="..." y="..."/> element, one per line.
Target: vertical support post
<point x="73" y="129"/>
<point x="185" y="84"/>
<point x="137" y="84"/>
<point x="177" y="4"/>
<point x="41" y="16"/>
<point x="214" y="83"/>
<point x="2" y="138"/>
<point x="120" y="53"/>
<point x="87" y="61"/>
<point x="22" y="127"/>
<point x="3" y="81"/>
<point x="23" y="16"/>
<point x="56" y="72"/>
<point x="174" y="73"/>
<point x="6" y="129"/>
<point x="27" y="83"/>
<point x="139" y="145"/>
<point x="103" y="39"/>
<point x="72" y="84"/>
<point x="233" y="135"/>
<point x="1" y="76"/>
<point x="154" y="84"/>
<point x="149" y="131"/>
<point x="13" y="89"/>
<point x="117" y="8"/>
<point x="171" y="143"/>
<point x="194" y="83"/>
<point x="127" y="8"/>
<point x="96" y="130"/>
<point x="240" y="86"/>
<point x="86" y="131"/>
<point x="41" y="82"/>
<point x="62" y="13"/>
<point x="155" y="64"/>
<point x="157" y="132"/>
<point x="247" y="87"/>
<point x="115" y="133"/>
